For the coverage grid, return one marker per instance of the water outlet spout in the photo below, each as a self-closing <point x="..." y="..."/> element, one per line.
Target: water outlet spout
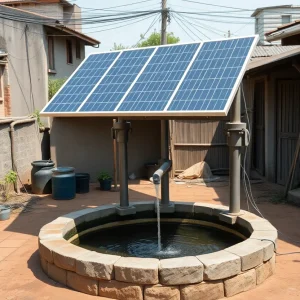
<point x="163" y="169"/>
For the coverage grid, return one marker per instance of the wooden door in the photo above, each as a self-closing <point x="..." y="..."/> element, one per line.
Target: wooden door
<point x="288" y="127"/>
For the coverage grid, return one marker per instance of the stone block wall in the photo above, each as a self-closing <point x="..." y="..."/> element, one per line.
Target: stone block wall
<point x="27" y="149"/>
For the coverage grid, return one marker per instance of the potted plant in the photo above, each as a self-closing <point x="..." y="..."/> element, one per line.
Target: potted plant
<point x="105" y="181"/>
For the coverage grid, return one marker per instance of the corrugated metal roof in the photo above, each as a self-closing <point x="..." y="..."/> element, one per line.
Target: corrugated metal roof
<point x="268" y="51"/>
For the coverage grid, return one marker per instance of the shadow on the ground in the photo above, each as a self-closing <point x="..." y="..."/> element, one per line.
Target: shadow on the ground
<point x="34" y="265"/>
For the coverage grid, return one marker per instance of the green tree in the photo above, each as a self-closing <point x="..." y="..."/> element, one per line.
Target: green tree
<point x="153" y="40"/>
<point x="118" y="47"/>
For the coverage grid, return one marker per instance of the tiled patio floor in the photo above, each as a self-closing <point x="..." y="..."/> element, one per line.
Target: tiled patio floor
<point x="21" y="277"/>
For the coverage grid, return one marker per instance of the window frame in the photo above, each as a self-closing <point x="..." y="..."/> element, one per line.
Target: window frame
<point x="69" y="51"/>
<point x="282" y="18"/>
<point x="51" y="59"/>
<point x="78" y="49"/>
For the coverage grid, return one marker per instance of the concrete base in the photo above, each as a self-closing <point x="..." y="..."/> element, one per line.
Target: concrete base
<point x="229" y="218"/>
<point x="125" y="211"/>
<point x="167" y="209"/>
<point x="294" y="196"/>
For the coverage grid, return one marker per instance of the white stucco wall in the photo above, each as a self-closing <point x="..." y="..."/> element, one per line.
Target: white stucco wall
<point x="13" y="41"/>
<point x="270" y="19"/>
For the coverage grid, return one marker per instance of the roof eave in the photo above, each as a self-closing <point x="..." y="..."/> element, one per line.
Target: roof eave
<point x="283" y="33"/>
<point x="258" y="10"/>
<point x="267" y="62"/>
<point x="88" y="40"/>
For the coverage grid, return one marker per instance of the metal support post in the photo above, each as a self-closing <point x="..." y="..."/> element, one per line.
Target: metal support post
<point x="237" y="138"/>
<point x="165" y="197"/>
<point x="121" y="130"/>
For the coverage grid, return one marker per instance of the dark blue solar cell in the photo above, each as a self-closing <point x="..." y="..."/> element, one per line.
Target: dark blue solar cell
<point x="160" y="78"/>
<point x="117" y="81"/>
<point x="211" y="78"/>
<point x="81" y="83"/>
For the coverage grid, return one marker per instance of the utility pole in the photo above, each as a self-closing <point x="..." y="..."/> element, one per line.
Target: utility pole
<point x="164" y="20"/>
<point x="166" y="206"/>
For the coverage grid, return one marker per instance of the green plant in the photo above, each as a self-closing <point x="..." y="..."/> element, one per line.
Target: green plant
<point x="104" y="176"/>
<point x="36" y="114"/>
<point x="5" y="184"/>
<point x="54" y="85"/>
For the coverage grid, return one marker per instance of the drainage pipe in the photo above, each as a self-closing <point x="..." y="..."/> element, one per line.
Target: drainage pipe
<point x="12" y="140"/>
<point x="159" y="174"/>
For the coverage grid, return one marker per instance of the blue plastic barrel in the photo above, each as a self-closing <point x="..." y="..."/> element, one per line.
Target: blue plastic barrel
<point x="63" y="183"/>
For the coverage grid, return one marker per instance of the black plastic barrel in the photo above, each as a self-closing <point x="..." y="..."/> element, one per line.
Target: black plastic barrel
<point x="63" y="183"/>
<point x="82" y="183"/>
<point x="41" y="175"/>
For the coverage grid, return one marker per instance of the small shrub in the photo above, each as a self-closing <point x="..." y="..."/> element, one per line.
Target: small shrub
<point x="54" y="85"/>
<point x="36" y="114"/>
<point x="104" y="176"/>
<point x="6" y="184"/>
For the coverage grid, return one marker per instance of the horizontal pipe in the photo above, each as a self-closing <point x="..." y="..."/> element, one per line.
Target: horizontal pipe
<point x="163" y="169"/>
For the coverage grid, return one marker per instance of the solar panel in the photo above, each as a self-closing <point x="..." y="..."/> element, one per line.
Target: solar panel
<point x="195" y="79"/>
<point x="117" y="81"/>
<point x="211" y="79"/>
<point x="156" y="84"/>
<point x="75" y="90"/>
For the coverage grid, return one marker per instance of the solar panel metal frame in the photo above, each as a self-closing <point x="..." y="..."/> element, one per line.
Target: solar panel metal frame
<point x="164" y="113"/>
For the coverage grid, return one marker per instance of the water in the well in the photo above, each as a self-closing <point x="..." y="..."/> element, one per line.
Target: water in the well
<point x="140" y="240"/>
<point x="157" y="188"/>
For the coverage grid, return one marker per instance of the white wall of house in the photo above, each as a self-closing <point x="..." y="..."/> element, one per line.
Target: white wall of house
<point x="271" y="18"/>
<point x="28" y="78"/>
<point x="62" y="68"/>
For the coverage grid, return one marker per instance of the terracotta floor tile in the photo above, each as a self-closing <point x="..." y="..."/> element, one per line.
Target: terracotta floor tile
<point x="5" y="234"/>
<point x="4" y="252"/>
<point x="11" y="243"/>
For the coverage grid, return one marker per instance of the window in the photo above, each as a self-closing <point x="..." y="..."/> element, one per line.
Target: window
<point x="286" y="19"/>
<point x="51" y="53"/>
<point x="78" y="49"/>
<point x="69" y="52"/>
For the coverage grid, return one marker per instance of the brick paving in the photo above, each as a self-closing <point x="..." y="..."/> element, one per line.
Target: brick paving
<point x="21" y="276"/>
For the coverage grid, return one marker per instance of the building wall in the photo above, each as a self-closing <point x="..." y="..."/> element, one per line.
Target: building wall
<point x="28" y="78"/>
<point x="52" y="10"/>
<point x="71" y="13"/>
<point x="271" y="120"/>
<point x="86" y="144"/>
<point x="62" y="68"/>
<point x="27" y="149"/>
<point x="270" y="19"/>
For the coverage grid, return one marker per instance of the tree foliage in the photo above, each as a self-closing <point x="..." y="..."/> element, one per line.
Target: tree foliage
<point x="54" y="85"/>
<point x="153" y="40"/>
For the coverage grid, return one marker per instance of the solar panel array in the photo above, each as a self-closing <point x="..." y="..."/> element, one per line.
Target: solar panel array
<point x="175" y="80"/>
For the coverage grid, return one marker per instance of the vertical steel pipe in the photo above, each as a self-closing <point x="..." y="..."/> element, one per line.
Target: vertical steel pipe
<point x="165" y="198"/>
<point x="235" y="157"/>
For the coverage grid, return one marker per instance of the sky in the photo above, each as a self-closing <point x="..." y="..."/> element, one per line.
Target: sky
<point x="200" y="29"/>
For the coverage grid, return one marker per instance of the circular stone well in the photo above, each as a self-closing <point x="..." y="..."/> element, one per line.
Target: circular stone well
<point x="227" y="272"/>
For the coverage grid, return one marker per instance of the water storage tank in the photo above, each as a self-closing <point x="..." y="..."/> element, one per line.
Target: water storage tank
<point x="41" y="175"/>
<point x="63" y="183"/>
<point x="82" y="183"/>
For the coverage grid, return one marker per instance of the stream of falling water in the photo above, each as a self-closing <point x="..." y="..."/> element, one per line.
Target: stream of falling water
<point x="157" y="188"/>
